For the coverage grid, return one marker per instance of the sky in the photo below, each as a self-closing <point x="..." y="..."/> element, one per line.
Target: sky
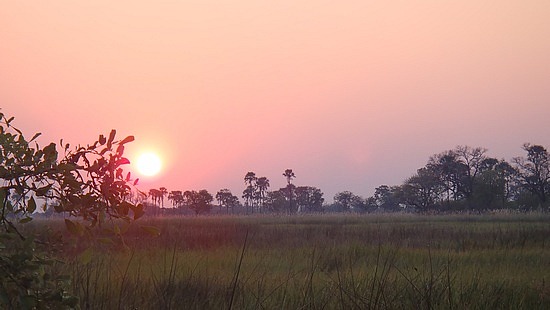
<point x="349" y="94"/>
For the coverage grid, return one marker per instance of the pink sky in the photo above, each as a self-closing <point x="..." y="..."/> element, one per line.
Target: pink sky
<point x="349" y="94"/>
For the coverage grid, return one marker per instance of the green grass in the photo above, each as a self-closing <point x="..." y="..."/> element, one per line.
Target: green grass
<point x="324" y="262"/>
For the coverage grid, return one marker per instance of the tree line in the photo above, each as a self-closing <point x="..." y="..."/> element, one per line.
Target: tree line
<point x="461" y="179"/>
<point x="466" y="178"/>
<point x="256" y="198"/>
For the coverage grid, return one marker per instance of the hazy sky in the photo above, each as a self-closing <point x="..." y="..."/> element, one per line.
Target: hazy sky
<point x="348" y="94"/>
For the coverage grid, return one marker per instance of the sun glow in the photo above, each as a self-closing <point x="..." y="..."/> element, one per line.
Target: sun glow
<point x="149" y="164"/>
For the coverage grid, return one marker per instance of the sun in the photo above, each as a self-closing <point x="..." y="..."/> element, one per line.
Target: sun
<point x="149" y="164"/>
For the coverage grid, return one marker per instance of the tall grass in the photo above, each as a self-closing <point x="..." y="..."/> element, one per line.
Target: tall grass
<point x="324" y="262"/>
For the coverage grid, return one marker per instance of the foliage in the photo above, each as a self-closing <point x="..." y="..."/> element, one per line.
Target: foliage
<point x="534" y="172"/>
<point x="200" y="202"/>
<point x="226" y="199"/>
<point x="309" y="199"/>
<point x="254" y="194"/>
<point x="348" y="201"/>
<point x="466" y="179"/>
<point x="88" y="183"/>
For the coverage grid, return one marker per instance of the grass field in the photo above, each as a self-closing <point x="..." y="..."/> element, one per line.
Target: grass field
<point x="324" y="262"/>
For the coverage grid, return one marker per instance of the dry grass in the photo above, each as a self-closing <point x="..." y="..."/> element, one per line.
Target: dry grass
<point x="324" y="262"/>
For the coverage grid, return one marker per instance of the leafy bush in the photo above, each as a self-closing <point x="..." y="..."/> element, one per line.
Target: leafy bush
<point x="87" y="182"/>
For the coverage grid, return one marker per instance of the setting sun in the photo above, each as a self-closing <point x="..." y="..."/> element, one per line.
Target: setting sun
<point x="149" y="164"/>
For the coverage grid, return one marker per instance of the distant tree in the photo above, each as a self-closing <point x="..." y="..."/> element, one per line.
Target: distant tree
<point x="176" y="197"/>
<point x="262" y="184"/>
<point x="451" y="172"/>
<point x="309" y="199"/>
<point x="474" y="160"/>
<point x="387" y="197"/>
<point x="276" y="201"/>
<point x="199" y="202"/>
<point x="423" y="190"/>
<point x="289" y="175"/>
<point x="370" y="204"/>
<point x="231" y="203"/>
<point x="534" y="172"/>
<point x="250" y="190"/>
<point x="348" y="201"/>
<point x="162" y="192"/>
<point x="509" y="175"/>
<point x="227" y="199"/>
<point x="155" y="195"/>
<point x="494" y="185"/>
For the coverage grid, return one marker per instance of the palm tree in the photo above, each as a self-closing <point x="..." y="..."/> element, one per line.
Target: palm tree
<point x="289" y="174"/>
<point x="176" y="197"/>
<point x="163" y="191"/>
<point x="155" y="197"/>
<point x="248" y="193"/>
<point x="154" y="194"/>
<point x="262" y="184"/>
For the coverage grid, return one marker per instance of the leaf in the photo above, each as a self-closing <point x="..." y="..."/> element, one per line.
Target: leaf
<point x="127" y="139"/>
<point x="31" y="206"/>
<point x="105" y="240"/>
<point x="152" y="230"/>
<point x="124" y="208"/>
<point x="102" y="139"/>
<point x="119" y="173"/>
<point x="49" y="151"/>
<point x="136" y="181"/>
<point x="43" y="190"/>
<point x="36" y="135"/>
<point x="111" y="138"/>
<point x="120" y="150"/>
<point x="25" y="220"/>
<point x="72" y="227"/>
<point x="86" y="256"/>
<point x="138" y="211"/>
<point x="122" y="161"/>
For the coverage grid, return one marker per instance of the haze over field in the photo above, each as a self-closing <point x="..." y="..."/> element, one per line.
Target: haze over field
<point x="349" y="95"/>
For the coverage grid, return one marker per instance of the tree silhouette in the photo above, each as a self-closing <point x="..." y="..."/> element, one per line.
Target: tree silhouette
<point x="309" y="198"/>
<point x="347" y="200"/>
<point x="262" y="184"/>
<point x="200" y="201"/>
<point x="289" y="174"/>
<point x="227" y="199"/>
<point x="162" y="192"/>
<point x="176" y="197"/>
<point x="155" y="196"/>
<point x="534" y="171"/>
<point x="249" y="192"/>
